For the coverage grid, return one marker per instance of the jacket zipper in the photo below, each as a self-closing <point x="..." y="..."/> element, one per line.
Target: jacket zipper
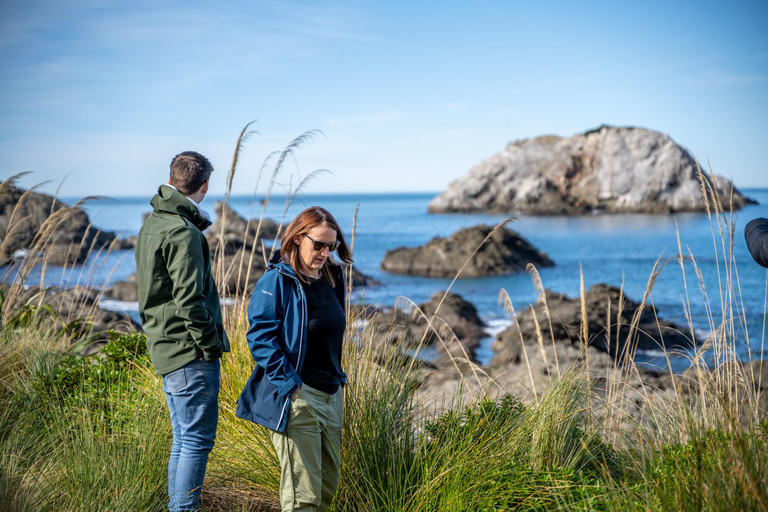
<point x="301" y="336"/>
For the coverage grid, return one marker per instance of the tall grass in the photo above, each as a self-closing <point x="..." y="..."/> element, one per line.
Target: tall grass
<point x="64" y="447"/>
<point x="92" y="433"/>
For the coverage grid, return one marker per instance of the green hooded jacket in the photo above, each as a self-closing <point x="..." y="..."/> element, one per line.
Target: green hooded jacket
<point x="178" y="300"/>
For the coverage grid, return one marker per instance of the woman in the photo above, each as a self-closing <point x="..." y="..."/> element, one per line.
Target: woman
<point x="297" y="324"/>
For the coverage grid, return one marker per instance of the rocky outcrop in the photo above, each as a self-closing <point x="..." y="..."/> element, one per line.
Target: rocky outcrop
<point x="359" y="279"/>
<point x="610" y="334"/>
<point x="44" y="225"/>
<point x="77" y="308"/>
<point x="523" y="367"/>
<point x="230" y="232"/>
<point x="505" y="252"/>
<point x="408" y="327"/>
<point x="126" y="291"/>
<point x="609" y="169"/>
<point x="240" y="246"/>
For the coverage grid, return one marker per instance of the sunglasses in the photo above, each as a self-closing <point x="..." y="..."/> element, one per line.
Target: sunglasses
<point x="318" y="245"/>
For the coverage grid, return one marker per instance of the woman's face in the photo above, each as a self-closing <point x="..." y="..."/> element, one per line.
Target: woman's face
<point x="314" y="259"/>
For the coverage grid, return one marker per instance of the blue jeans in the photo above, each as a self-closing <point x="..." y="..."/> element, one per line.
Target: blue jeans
<point x="192" y="392"/>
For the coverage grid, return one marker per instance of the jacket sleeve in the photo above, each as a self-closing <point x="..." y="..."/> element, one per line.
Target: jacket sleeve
<point x="756" y="233"/>
<point x="183" y="253"/>
<point x="265" y="319"/>
<point x="341" y="293"/>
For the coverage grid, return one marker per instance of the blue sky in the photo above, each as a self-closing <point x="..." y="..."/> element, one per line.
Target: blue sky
<point x="408" y="95"/>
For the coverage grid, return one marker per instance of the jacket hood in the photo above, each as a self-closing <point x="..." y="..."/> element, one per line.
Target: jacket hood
<point x="170" y="200"/>
<point x="277" y="262"/>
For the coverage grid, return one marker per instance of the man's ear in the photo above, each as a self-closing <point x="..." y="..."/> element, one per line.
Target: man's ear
<point x="204" y="188"/>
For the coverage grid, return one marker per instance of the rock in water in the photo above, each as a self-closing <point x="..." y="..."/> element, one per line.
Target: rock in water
<point x="76" y="308"/>
<point x="404" y="326"/>
<point x="237" y="233"/>
<point x="505" y="252"/>
<point x="607" y="334"/>
<point x="612" y="169"/>
<point x="39" y="222"/>
<point x="127" y="291"/>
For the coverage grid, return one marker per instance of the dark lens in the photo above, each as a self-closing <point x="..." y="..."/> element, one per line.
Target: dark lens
<point x="334" y="245"/>
<point x="318" y="246"/>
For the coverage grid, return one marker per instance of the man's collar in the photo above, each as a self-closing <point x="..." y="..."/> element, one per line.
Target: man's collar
<point x="203" y="213"/>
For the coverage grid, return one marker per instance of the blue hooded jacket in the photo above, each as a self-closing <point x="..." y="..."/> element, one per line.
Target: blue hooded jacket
<point x="277" y="338"/>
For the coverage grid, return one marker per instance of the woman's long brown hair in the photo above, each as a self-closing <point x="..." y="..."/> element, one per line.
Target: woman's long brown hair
<point x="300" y="226"/>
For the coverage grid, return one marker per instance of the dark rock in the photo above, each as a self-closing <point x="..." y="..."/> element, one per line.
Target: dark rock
<point x="77" y="307"/>
<point x="83" y="303"/>
<point x="360" y="279"/>
<point x="406" y="326"/>
<point x="237" y="273"/>
<point x="608" y="335"/>
<point x="238" y="249"/>
<point x="610" y="169"/>
<point x="505" y="252"/>
<point x="39" y="223"/>
<point x="127" y="291"/>
<point x="230" y="232"/>
<point x="123" y="244"/>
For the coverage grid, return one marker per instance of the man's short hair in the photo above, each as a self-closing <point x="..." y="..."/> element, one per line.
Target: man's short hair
<point x="189" y="170"/>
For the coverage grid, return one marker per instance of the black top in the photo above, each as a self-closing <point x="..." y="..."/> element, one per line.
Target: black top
<point x="326" y="323"/>
<point x="756" y="233"/>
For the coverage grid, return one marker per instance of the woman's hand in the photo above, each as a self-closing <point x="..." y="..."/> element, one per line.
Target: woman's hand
<point x="296" y="393"/>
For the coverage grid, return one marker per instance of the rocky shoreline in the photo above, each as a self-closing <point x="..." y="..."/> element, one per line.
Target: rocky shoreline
<point x="62" y="235"/>
<point x="543" y="343"/>
<point x="447" y="322"/>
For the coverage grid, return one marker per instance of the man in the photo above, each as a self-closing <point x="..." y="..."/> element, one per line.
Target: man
<point x="181" y="314"/>
<point x="756" y="233"/>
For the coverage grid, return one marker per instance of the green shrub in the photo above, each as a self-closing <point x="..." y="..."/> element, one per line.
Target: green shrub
<point x="75" y="380"/>
<point x="488" y="413"/>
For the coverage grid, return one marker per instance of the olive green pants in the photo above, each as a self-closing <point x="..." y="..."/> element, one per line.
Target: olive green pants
<point x="310" y="450"/>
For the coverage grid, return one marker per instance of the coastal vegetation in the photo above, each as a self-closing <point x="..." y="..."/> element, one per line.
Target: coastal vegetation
<point x="90" y="432"/>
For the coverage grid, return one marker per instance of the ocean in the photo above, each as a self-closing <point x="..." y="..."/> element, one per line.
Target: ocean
<point x="607" y="248"/>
